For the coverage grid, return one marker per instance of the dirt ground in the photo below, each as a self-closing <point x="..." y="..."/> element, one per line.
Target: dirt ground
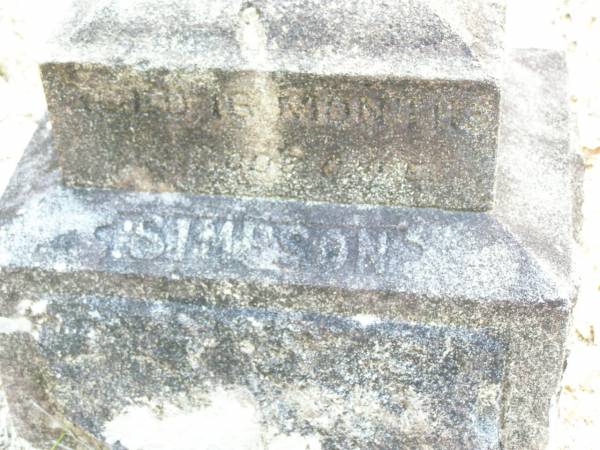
<point x="572" y="25"/>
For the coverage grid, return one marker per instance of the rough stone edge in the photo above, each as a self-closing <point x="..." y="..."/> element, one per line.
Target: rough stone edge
<point x="55" y="48"/>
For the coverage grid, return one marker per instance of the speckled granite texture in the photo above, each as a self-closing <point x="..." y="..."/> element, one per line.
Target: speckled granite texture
<point x="165" y="319"/>
<point x="376" y="102"/>
<point x="162" y="309"/>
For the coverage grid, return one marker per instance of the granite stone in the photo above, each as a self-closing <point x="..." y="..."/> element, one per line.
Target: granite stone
<point x="348" y="382"/>
<point x="225" y="322"/>
<point x="376" y="102"/>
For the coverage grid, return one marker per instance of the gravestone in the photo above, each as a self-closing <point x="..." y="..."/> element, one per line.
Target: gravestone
<point x="280" y="99"/>
<point x="290" y="225"/>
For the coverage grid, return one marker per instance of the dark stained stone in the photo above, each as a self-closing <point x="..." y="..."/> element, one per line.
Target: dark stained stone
<point x="351" y="382"/>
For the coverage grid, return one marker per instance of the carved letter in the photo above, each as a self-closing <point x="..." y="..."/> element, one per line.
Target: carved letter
<point x="372" y="253"/>
<point x="295" y="246"/>
<point x="332" y="250"/>
<point x="147" y="241"/>
<point x="214" y="237"/>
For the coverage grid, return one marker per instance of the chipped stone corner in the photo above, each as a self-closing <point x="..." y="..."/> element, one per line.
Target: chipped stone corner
<point x="29" y="418"/>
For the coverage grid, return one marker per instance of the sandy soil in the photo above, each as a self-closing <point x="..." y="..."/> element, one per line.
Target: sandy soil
<point x="572" y="25"/>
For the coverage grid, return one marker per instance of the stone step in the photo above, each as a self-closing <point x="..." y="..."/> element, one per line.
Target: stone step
<point x="392" y="103"/>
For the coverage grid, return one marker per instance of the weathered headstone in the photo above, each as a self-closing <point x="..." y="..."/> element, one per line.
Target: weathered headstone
<point x="352" y="102"/>
<point x="290" y="224"/>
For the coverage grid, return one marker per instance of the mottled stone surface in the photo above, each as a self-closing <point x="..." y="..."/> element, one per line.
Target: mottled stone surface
<point x="374" y="102"/>
<point x="352" y="382"/>
<point x="481" y="299"/>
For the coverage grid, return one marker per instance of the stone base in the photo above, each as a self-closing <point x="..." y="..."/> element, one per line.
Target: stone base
<point x="182" y="321"/>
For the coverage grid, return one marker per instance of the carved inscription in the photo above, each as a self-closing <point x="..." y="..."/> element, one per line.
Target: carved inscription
<point x="295" y="106"/>
<point x="257" y="245"/>
<point x="369" y="108"/>
<point x="313" y="102"/>
<point x="326" y="138"/>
